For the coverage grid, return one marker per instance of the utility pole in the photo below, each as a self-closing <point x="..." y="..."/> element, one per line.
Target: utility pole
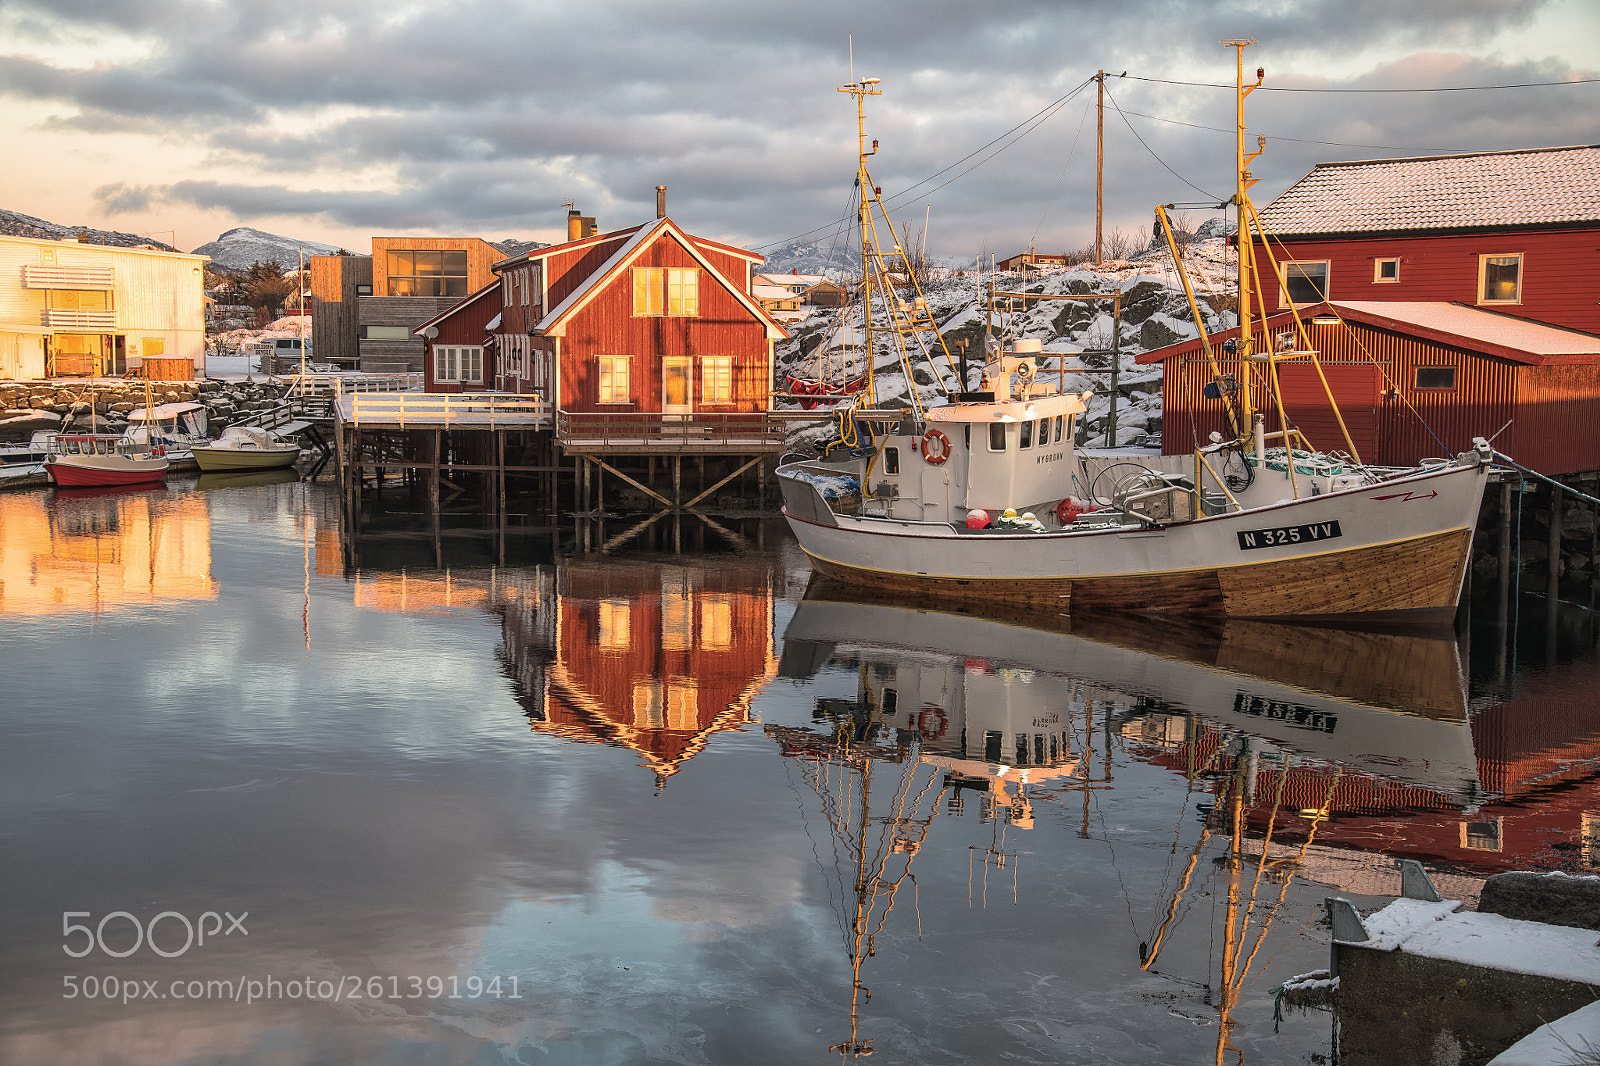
<point x="1099" y="158"/>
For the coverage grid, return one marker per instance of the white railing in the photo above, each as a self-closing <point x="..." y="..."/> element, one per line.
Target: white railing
<point x="336" y="384"/>
<point x="38" y="276"/>
<point x="485" y="410"/>
<point x="58" y="318"/>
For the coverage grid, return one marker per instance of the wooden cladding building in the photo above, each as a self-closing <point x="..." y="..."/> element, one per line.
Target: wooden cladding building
<point x="1411" y="380"/>
<point x="1514" y="232"/>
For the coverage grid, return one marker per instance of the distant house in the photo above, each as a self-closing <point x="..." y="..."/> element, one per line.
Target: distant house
<point x="826" y="293"/>
<point x="71" y="309"/>
<point x="776" y="297"/>
<point x="366" y="308"/>
<point x="795" y="283"/>
<point x="1030" y="260"/>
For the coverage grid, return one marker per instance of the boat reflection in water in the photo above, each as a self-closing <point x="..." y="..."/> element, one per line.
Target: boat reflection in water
<point x="1266" y="723"/>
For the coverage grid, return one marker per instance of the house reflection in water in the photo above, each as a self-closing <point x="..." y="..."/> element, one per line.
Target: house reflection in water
<point x="102" y="550"/>
<point x="656" y="658"/>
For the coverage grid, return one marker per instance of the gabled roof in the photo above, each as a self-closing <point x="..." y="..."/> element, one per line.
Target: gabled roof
<point x="554" y="323"/>
<point x="1477" y="191"/>
<point x="1488" y="333"/>
<point x="465" y="302"/>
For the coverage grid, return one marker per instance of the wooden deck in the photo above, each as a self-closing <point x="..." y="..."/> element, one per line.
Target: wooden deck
<point x="633" y="433"/>
<point x="441" y="410"/>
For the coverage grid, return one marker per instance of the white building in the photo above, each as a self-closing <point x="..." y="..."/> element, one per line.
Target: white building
<point x="69" y="309"/>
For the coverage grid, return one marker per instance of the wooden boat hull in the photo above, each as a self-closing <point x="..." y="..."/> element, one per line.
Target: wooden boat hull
<point x="213" y="460"/>
<point x="1398" y="549"/>
<point x="76" y="471"/>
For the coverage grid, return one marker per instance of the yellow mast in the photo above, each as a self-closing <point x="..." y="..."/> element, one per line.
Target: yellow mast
<point x="1246" y="254"/>
<point x="860" y="90"/>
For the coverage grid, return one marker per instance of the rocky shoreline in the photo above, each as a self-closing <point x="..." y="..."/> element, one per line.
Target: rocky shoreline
<point x="29" y="406"/>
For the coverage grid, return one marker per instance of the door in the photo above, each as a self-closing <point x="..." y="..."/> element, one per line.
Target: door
<point x="677" y="396"/>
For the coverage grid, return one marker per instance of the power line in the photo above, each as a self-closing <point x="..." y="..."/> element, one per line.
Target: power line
<point x="1118" y="109"/>
<point x="1298" y="140"/>
<point x="1434" y="89"/>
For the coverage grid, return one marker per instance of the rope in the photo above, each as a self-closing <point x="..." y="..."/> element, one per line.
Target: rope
<point x="1508" y="461"/>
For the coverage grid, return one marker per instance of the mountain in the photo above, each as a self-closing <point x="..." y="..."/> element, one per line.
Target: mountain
<point x="16" y="224"/>
<point x="238" y="248"/>
<point x="836" y="258"/>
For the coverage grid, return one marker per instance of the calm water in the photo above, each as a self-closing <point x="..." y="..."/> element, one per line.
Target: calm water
<point x="646" y="808"/>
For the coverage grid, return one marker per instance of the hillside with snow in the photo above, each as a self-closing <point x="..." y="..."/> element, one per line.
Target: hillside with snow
<point x="16" y="224"/>
<point x="1155" y="314"/>
<point x="238" y="248"/>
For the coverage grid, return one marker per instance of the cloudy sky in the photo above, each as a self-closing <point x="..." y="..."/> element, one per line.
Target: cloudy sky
<point x="340" y="119"/>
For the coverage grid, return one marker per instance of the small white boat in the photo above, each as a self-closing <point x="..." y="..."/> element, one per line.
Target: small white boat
<point x="245" y="448"/>
<point x="177" y="427"/>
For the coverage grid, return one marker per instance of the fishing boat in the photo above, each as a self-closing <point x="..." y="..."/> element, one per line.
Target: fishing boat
<point x="75" y="460"/>
<point x="176" y="427"/>
<point x="245" y="448"/>
<point x="988" y="496"/>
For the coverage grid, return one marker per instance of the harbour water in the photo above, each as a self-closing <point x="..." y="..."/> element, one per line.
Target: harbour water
<point x="261" y="805"/>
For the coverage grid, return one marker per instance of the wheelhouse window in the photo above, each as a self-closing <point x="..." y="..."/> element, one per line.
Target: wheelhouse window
<point x="1436" y="377"/>
<point x="1060" y="420"/>
<point x="1305" y="283"/>
<point x="614" y="379"/>
<point x="1044" y="432"/>
<point x="1500" y="279"/>
<point x="997" y="436"/>
<point x="716" y="379"/>
<point x="1385" y="271"/>
<point x="891" y="460"/>
<point x="683" y="291"/>
<point x="1025" y="438"/>
<point x="427" y="273"/>
<point x="458" y="363"/>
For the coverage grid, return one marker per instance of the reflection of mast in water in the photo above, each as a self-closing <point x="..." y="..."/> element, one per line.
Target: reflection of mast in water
<point x="1249" y="912"/>
<point x="839" y="768"/>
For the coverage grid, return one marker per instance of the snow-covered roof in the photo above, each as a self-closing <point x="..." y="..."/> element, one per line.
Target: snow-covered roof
<point x="1480" y="190"/>
<point x="789" y="279"/>
<point x="772" y="292"/>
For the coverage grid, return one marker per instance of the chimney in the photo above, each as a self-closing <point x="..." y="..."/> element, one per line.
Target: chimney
<point x="661" y="201"/>
<point x="579" y="225"/>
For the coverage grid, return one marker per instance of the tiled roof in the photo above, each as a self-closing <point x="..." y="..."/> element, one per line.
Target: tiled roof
<point x="1535" y="187"/>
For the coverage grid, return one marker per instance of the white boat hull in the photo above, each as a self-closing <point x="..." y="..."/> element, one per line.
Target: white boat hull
<point x="1395" y="548"/>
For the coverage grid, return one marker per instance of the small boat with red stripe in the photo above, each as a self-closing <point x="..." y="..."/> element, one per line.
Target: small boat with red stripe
<point x="75" y="460"/>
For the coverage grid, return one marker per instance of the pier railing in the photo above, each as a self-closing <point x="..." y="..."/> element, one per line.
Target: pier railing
<point x="607" y="431"/>
<point x="464" y="410"/>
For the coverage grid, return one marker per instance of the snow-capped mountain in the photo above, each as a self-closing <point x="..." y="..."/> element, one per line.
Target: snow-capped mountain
<point x="16" y="224"/>
<point x="238" y="248"/>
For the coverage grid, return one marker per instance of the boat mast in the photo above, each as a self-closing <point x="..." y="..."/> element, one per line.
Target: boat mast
<point x="1246" y="254"/>
<point x="860" y="90"/>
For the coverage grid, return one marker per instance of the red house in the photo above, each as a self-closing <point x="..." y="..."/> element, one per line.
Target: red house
<point x="1514" y="232"/>
<point x="461" y="343"/>
<point x="643" y="320"/>
<point x="1447" y="296"/>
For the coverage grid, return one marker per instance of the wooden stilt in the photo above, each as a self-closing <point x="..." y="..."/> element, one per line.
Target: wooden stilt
<point x="1503" y="614"/>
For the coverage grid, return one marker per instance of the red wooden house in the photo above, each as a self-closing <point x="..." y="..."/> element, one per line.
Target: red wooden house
<point x="461" y="343"/>
<point x="644" y="320"/>
<point x="1470" y="286"/>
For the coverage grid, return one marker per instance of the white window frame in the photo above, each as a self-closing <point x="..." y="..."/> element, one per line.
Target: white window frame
<point x="460" y="364"/>
<point x="649" y="283"/>
<point x="1377" y="270"/>
<point x="683" y="291"/>
<point x="1300" y="266"/>
<point x="716" y="379"/>
<point x="1483" y="275"/>
<point x="606" y="368"/>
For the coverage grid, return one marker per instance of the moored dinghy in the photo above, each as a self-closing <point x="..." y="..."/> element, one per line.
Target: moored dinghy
<point x="246" y="448"/>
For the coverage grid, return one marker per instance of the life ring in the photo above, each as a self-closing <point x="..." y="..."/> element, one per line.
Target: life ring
<point x="931" y="722"/>
<point x="935" y="447"/>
